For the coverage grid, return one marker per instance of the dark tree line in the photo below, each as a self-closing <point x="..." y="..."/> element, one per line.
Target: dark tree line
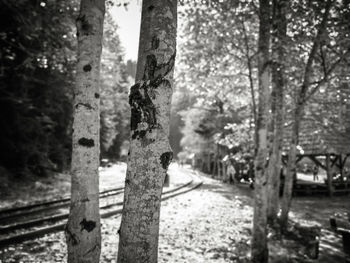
<point x="36" y="80"/>
<point x="37" y="72"/>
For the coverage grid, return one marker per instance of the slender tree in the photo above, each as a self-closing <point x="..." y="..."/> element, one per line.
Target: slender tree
<point x="278" y="83"/>
<point x="83" y="231"/>
<point x="259" y="239"/>
<point x="301" y="99"/>
<point x="150" y="152"/>
<point x="249" y="59"/>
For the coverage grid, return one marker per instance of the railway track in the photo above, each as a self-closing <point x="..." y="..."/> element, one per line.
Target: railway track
<point x="31" y="209"/>
<point x="30" y="222"/>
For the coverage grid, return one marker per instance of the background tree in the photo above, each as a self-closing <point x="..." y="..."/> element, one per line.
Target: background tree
<point x="321" y="53"/>
<point x="279" y="37"/>
<point x="37" y="79"/>
<point x="259" y="235"/>
<point x="37" y="76"/>
<point x="83" y="230"/>
<point x="222" y="89"/>
<point x="115" y="82"/>
<point x="210" y="28"/>
<point x="150" y="152"/>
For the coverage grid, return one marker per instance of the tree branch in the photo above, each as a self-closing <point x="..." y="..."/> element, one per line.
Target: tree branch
<point x="325" y="78"/>
<point x="317" y="42"/>
<point x="250" y="73"/>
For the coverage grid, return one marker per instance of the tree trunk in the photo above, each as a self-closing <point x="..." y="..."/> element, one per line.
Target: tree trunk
<point x="251" y="84"/>
<point x="341" y="168"/>
<point x="83" y="231"/>
<point x="166" y="180"/>
<point x="329" y="176"/>
<point x="291" y="169"/>
<point x="224" y="172"/>
<point x="259" y="235"/>
<point x="209" y="169"/>
<point x="280" y="29"/>
<point x="150" y="152"/>
<point x="300" y="104"/>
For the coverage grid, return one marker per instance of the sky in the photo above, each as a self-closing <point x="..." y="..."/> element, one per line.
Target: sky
<point x="128" y="20"/>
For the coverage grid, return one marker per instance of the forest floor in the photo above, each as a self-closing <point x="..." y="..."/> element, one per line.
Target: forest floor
<point x="210" y="224"/>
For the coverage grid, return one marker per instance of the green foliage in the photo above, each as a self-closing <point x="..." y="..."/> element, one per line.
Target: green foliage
<point x="212" y="102"/>
<point x="218" y="75"/>
<point x="37" y="70"/>
<point x="325" y="97"/>
<point x="37" y="63"/>
<point x="114" y="117"/>
<point x="217" y="64"/>
<point x="181" y="101"/>
<point x="304" y="20"/>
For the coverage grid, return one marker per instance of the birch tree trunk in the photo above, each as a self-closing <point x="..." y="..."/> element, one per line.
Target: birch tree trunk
<point x="150" y="152"/>
<point x="259" y="236"/>
<point x="298" y="112"/>
<point x="83" y="231"/>
<point x="280" y="29"/>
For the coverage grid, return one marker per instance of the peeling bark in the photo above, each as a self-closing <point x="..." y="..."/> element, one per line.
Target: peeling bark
<point x="259" y="235"/>
<point x="150" y="152"/>
<point x="83" y="231"/>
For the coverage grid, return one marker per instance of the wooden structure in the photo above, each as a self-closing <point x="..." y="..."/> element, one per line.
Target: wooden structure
<point x="324" y="137"/>
<point x="329" y="152"/>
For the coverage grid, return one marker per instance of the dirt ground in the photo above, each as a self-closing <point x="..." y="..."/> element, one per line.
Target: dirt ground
<point x="210" y="224"/>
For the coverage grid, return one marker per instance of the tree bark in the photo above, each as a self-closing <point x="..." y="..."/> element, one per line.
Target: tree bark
<point x="291" y="170"/>
<point x="259" y="235"/>
<point x="150" y="152"/>
<point x="209" y="170"/>
<point x="329" y="176"/>
<point x="280" y="29"/>
<point x="218" y="163"/>
<point x="83" y="231"/>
